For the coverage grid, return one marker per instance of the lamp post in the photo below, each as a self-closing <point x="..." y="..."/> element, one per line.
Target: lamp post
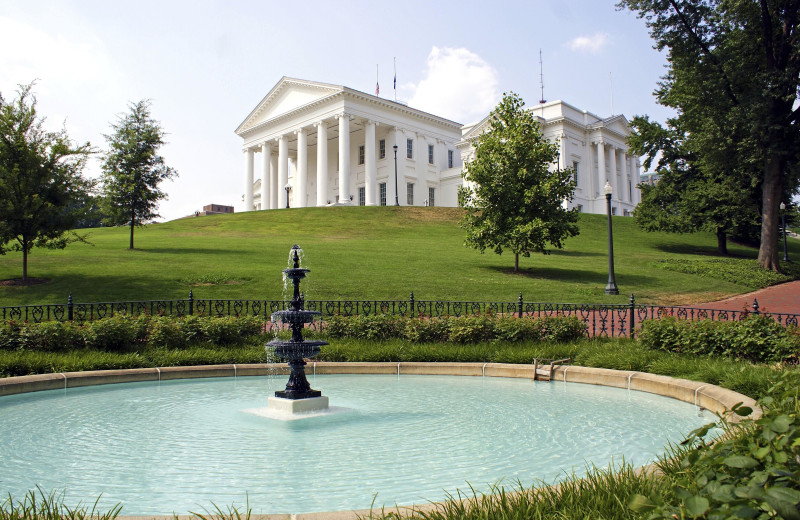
<point x="287" y="188"/>
<point x="611" y="287"/>
<point x="783" y="217"/>
<point x="396" y="200"/>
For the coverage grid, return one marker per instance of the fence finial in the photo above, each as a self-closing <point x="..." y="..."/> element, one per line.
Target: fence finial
<point x="755" y="306"/>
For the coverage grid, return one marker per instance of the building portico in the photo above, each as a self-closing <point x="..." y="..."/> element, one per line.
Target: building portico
<point x="334" y="146"/>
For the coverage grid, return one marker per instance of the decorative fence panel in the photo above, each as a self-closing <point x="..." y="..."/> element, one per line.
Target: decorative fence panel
<point x="601" y="320"/>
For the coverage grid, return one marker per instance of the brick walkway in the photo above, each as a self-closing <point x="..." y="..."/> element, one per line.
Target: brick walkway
<point x="783" y="298"/>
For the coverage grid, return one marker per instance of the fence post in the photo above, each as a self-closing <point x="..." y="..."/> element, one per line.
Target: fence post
<point x="70" y="306"/>
<point x="755" y="307"/>
<point x="632" y="318"/>
<point x="191" y="303"/>
<point x="519" y="306"/>
<point x="411" y="310"/>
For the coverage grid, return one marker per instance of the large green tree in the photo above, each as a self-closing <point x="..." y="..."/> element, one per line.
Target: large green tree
<point x="41" y="180"/>
<point x="133" y="169"/>
<point x="513" y="196"/>
<point x="733" y="76"/>
<point x="691" y="194"/>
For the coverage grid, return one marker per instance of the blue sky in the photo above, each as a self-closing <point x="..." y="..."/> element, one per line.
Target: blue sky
<point x="206" y="64"/>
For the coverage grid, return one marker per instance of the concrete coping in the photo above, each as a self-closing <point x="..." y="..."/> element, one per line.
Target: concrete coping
<point x="713" y="398"/>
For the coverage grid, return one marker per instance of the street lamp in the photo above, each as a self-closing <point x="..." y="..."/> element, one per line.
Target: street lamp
<point x="396" y="200"/>
<point x="611" y="287"/>
<point x="783" y="216"/>
<point x="287" y="188"/>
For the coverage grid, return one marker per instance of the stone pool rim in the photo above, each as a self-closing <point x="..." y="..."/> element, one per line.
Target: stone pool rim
<point x="711" y="397"/>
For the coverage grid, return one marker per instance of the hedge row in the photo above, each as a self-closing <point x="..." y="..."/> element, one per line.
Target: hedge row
<point x="755" y="338"/>
<point x="121" y="334"/>
<point x="466" y="329"/>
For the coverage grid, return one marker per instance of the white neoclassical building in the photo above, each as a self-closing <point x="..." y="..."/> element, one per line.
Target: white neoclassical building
<point x="315" y="144"/>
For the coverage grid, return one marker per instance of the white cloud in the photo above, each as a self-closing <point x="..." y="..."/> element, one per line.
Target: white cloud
<point x="593" y="43"/>
<point x="458" y="84"/>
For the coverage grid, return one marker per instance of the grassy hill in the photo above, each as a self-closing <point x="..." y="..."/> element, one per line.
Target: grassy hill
<point x="369" y="253"/>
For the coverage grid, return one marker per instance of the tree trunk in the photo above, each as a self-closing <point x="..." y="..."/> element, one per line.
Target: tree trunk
<point x="24" y="261"/>
<point x="722" y="242"/>
<point x="516" y="262"/>
<point x="131" y="246"/>
<point x="771" y="194"/>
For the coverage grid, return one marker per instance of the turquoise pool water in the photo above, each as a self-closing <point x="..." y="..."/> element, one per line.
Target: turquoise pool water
<point x="178" y="446"/>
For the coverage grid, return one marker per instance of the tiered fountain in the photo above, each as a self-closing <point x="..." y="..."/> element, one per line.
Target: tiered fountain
<point x="298" y="396"/>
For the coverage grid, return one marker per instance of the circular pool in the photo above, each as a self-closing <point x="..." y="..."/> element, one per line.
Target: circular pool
<point x="181" y="445"/>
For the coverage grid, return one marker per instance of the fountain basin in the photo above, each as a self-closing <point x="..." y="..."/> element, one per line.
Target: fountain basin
<point x="703" y="395"/>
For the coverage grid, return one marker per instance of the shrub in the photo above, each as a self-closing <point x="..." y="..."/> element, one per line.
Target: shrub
<point x="165" y="331"/>
<point x="755" y="338"/>
<point x="560" y="328"/>
<point x="471" y="329"/>
<point x="230" y="330"/>
<point x="116" y="334"/>
<point x="10" y="335"/>
<point x="427" y="331"/>
<point x="52" y="336"/>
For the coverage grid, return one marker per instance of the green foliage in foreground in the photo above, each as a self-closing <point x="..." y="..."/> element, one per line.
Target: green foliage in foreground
<point x="751" y="472"/>
<point x="38" y="505"/>
<point x="755" y="338"/>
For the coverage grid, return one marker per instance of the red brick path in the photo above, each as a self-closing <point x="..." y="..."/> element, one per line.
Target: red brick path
<point x="783" y="299"/>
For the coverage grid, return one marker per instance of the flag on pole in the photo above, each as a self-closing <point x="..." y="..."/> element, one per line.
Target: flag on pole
<point x="377" y="83"/>
<point x="395" y="79"/>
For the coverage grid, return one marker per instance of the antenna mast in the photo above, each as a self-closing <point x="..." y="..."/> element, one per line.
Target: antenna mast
<point x="611" y="87"/>
<point x="542" y="100"/>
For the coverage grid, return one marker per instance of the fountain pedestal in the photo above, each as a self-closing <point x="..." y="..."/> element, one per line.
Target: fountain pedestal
<point x="294" y="406"/>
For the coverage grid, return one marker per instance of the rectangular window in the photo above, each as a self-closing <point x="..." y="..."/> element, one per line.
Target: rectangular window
<point x="449" y="158"/>
<point x="613" y="210"/>
<point x="382" y="149"/>
<point x="575" y="172"/>
<point x="361" y="154"/>
<point x="382" y="189"/>
<point x="580" y="208"/>
<point x="409" y="194"/>
<point x="410" y="148"/>
<point x="362" y="196"/>
<point x="431" y="196"/>
<point x="430" y="154"/>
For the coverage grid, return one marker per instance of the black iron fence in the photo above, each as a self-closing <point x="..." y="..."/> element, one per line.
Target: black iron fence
<point x="601" y="320"/>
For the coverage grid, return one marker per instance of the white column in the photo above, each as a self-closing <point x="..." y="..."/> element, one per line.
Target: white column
<point x="613" y="174"/>
<point x="562" y="151"/>
<point x="283" y="170"/>
<point x="636" y="180"/>
<point x="266" y="152"/>
<point x="248" y="179"/>
<point x="371" y="172"/>
<point x="302" y="169"/>
<point x="602" y="177"/>
<point x="322" y="163"/>
<point x="344" y="158"/>
<point x="273" y="180"/>
<point x="624" y="191"/>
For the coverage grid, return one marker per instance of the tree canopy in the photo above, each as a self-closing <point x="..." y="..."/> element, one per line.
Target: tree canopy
<point x="689" y="195"/>
<point x="41" y="182"/>
<point x="133" y="169"/>
<point x="513" y="196"/>
<point x="733" y="76"/>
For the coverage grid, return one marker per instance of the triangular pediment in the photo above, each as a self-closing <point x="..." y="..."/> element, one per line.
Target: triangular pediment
<point x="287" y="95"/>
<point x="617" y="124"/>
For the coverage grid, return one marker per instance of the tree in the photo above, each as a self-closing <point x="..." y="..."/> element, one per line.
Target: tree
<point x="733" y="76"/>
<point x="40" y="180"/>
<point x="133" y="170"/>
<point x="691" y="194"/>
<point x="514" y="199"/>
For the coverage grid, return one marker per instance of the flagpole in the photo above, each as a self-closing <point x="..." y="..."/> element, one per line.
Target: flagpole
<point x="395" y="78"/>
<point x="377" y="83"/>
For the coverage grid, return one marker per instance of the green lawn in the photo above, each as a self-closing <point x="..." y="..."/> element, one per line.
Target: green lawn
<point x="366" y="253"/>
